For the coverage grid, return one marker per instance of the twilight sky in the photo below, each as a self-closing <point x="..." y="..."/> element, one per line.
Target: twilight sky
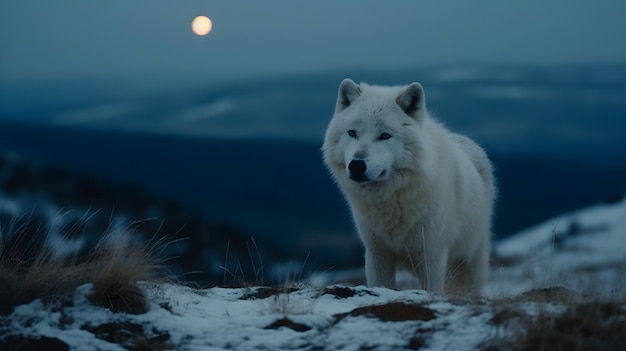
<point x="68" y="39"/>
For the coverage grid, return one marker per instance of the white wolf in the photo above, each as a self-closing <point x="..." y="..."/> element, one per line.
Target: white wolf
<point x="421" y="196"/>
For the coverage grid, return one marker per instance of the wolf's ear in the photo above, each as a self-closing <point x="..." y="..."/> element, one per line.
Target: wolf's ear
<point x="413" y="101"/>
<point x="348" y="92"/>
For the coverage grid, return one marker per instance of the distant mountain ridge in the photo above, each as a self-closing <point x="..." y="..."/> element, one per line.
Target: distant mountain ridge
<point x="573" y="111"/>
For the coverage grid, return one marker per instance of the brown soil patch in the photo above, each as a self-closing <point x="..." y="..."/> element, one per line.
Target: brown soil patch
<point x="288" y="323"/>
<point x="391" y="312"/>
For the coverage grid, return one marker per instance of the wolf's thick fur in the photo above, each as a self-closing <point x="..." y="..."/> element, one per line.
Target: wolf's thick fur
<point x="421" y="196"/>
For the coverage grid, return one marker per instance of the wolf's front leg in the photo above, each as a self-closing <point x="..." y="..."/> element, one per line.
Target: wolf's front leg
<point x="432" y="271"/>
<point x="380" y="267"/>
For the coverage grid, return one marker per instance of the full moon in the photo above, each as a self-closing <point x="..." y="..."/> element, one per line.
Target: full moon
<point x="201" y="25"/>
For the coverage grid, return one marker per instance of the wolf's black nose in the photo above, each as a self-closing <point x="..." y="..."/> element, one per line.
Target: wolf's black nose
<point x="357" y="168"/>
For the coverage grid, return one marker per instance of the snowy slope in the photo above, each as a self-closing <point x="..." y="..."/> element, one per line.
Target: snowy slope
<point x="584" y="250"/>
<point x="241" y="319"/>
<point x="587" y="244"/>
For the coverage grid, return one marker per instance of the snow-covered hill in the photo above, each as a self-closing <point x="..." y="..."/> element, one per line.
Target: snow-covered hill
<point x="583" y="250"/>
<point x="557" y="285"/>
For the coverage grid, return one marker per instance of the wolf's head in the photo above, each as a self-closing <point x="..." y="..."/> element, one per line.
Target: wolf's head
<point x="373" y="133"/>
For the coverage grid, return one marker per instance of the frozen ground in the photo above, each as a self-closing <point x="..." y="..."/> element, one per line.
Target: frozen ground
<point x="582" y="253"/>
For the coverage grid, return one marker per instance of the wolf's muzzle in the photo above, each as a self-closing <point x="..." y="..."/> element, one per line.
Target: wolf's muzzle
<point x="357" y="170"/>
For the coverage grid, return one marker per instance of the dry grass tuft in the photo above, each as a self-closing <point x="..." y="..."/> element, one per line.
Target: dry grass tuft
<point x="589" y="326"/>
<point x="113" y="267"/>
<point x="118" y="269"/>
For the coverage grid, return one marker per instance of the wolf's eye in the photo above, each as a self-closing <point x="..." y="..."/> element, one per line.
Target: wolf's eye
<point x="352" y="133"/>
<point x="384" y="136"/>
